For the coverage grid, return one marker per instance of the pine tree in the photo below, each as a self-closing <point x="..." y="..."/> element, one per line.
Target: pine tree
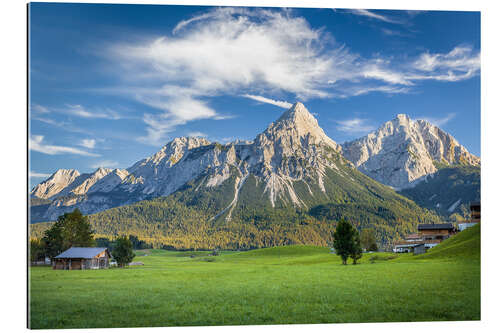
<point x="343" y="240"/>
<point x="357" y="250"/>
<point x="71" y="229"/>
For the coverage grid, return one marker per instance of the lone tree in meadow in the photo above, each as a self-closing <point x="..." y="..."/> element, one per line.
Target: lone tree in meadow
<point x="343" y="240"/>
<point x="368" y="241"/>
<point x="70" y="229"/>
<point x="123" y="252"/>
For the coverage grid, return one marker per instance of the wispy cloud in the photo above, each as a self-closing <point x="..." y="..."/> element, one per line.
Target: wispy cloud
<point x="36" y="144"/>
<point x="178" y="111"/>
<point x="390" y="90"/>
<point x="439" y="121"/>
<point x="80" y="111"/>
<point x="355" y="125"/>
<point x="39" y="108"/>
<point x="459" y="64"/>
<point x="88" y="143"/>
<point x="376" y="16"/>
<point x="104" y="164"/>
<point x="34" y="174"/>
<point x="215" y="54"/>
<point x="281" y="104"/>
<point x="64" y="125"/>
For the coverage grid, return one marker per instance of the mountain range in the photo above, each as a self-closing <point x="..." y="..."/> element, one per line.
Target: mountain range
<point x="292" y="177"/>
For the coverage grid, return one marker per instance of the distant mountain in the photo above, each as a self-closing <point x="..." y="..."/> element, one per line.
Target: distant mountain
<point x="449" y="191"/>
<point x="290" y="179"/>
<point x="403" y="151"/>
<point x="57" y="182"/>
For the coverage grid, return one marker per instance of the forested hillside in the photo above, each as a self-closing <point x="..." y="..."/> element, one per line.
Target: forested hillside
<point x="188" y="218"/>
<point x="449" y="191"/>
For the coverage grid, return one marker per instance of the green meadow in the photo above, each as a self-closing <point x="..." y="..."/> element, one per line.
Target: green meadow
<point x="280" y="285"/>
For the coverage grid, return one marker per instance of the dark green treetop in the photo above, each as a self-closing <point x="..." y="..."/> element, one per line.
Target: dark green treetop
<point x="123" y="252"/>
<point x="343" y="239"/>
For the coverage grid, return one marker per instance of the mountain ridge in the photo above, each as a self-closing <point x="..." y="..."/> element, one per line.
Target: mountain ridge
<point x="289" y="162"/>
<point x="402" y="151"/>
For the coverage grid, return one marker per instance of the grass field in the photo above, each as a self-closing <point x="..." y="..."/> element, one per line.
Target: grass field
<point x="284" y="285"/>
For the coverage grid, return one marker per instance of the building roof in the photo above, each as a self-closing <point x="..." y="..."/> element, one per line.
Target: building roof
<point x="82" y="252"/>
<point x="441" y="226"/>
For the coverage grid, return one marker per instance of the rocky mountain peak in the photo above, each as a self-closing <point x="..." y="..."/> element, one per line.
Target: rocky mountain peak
<point x="402" y="118"/>
<point x="188" y="142"/>
<point x="403" y="151"/>
<point x="55" y="183"/>
<point x="295" y="125"/>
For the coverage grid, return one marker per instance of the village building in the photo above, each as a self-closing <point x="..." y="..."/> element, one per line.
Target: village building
<point x="428" y="236"/>
<point x="82" y="258"/>
<point x="438" y="231"/>
<point x="475" y="216"/>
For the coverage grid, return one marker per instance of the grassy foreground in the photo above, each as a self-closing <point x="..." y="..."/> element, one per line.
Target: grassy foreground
<point x="282" y="285"/>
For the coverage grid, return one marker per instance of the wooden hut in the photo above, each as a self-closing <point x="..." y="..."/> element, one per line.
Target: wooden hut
<point x="82" y="258"/>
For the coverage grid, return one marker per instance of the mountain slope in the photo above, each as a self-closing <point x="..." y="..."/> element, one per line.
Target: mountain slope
<point x="403" y="151"/>
<point x="448" y="191"/>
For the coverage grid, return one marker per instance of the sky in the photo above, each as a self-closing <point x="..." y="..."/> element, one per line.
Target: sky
<point x="111" y="84"/>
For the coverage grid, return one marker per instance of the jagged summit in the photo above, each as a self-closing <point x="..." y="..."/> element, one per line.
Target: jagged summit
<point x="402" y="117"/>
<point x="297" y="111"/>
<point x="298" y="124"/>
<point x="55" y="183"/>
<point x="403" y="151"/>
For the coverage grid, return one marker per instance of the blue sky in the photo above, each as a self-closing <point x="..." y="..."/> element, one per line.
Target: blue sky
<point x="111" y="84"/>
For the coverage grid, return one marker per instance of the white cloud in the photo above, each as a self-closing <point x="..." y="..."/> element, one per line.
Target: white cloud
<point x="371" y="14"/>
<point x="262" y="52"/>
<point x="357" y="91"/>
<point x="229" y="49"/>
<point x="34" y="174"/>
<point x="88" y="143"/>
<point x="281" y="104"/>
<point x="80" y="111"/>
<point x="459" y="64"/>
<point x="440" y="121"/>
<point x="39" y="108"/>
<point x="64" y="125"/>
<point x="387" y="75"/>
<point x="36" y="144"/>
<point x="355" y="125"/>
<point x="178" y="111"/>
<point x="222" y="52"/>
<point x="197" y="134"/>
<point x="104" y="164"/>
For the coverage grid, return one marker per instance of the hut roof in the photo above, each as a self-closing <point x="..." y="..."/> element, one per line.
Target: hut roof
<point x="82" y="252"/>
<point x="441" y="226"/>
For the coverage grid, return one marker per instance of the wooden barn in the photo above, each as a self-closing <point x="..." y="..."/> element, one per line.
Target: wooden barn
<point x="82" y="258"/>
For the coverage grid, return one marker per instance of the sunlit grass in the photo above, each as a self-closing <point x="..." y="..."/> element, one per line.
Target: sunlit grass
<point x="295" y="284"/>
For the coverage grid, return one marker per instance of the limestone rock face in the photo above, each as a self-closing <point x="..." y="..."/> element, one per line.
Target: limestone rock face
<point x="403" y="152"/>
<point x="292" y="149"/>
<point x="57" y="182"/>
<point x="292" y="163"/>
